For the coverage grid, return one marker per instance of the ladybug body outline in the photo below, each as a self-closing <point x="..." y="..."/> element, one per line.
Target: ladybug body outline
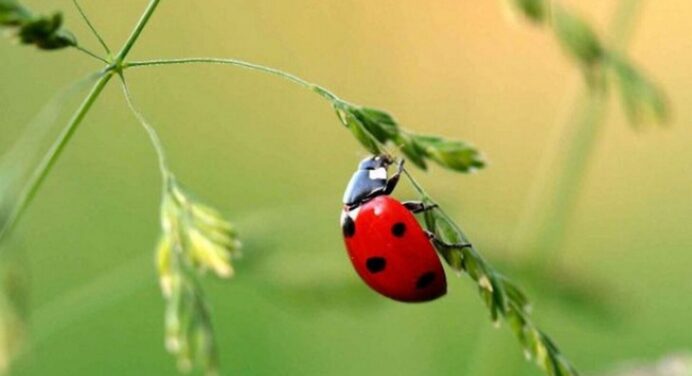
<point x="387" y="246"/>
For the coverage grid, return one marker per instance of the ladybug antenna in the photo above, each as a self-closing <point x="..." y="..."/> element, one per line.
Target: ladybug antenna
<point x="386" y="159"/>
<point x="375" y="161"/>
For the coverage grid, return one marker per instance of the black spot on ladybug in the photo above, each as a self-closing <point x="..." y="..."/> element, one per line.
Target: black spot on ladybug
<point x="398" y="229"/>
<point x="425" y="280"/>
<point x="348" y="227"/>
<point x="375" y="264"/>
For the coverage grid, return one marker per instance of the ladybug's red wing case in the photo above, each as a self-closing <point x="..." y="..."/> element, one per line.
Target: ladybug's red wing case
<point x="391" y="252"/>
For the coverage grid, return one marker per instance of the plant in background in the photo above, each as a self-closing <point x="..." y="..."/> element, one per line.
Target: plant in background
<point x="196" y="239"/>
<point x="553" y="194"/>
<point x="45" y="32"/>
<point x="643" y="100"/>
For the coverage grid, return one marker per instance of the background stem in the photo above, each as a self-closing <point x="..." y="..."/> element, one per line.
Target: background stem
<point x="48" y="161"/>
<point x="137" y="31"/>
<point x="555" y="191"/>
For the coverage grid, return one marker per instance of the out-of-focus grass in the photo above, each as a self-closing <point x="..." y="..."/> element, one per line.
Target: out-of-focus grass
<point x="275" y="158"/>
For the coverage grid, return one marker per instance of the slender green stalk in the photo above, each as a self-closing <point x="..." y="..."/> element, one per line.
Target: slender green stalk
<point x="151" y="132"/>
<point x="91" y="27"/>
<point x="554" y="194"/>
<point x="47" y="163"/>
<point x="238" y="63"/>
<point x="37" y="129"/>
<point x="91" y="54"/>
<point x="137" y="31"/>
<point x="41" y="172"/>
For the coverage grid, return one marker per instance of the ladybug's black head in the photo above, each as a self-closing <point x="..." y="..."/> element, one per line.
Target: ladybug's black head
<point x="369" y="181"/>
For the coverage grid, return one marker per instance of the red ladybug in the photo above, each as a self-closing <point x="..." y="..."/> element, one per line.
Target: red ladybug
<point x="386" y="244"/>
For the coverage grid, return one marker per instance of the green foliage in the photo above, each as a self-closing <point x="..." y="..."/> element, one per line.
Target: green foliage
<point x="375" y="128"/>
<point x="642" y="100"/>
<point x="535" y="10"/>
<point x="577" y="37"/>
<point x="195" y="239"/>
<point x="455" y="155"/>
<point x="502" y="297"/>
<point x="45" y="32"/>
<point x="12" y="13"/>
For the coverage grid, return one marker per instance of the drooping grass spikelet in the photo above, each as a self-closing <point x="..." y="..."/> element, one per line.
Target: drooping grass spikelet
<point x="504" y="300"/>
<point x="195" y="239"/>
<point x="375" y="128"/>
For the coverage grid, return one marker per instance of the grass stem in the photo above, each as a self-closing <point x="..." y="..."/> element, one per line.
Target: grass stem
<point x="238" y="63"/>
<point x="91" y="54"/>
<point x="91" y="27"/>
<point x="137" y="31"/>
<point x="151" y="132"/>
<point x="554" y="194"/>
<point x="48" y="161"/>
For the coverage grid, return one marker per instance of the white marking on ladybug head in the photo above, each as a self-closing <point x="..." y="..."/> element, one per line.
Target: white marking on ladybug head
<point x="378" y="174"/>
<point x="354" y="213"/>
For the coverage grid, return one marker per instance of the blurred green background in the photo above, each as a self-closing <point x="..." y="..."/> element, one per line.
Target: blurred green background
<point x="275" y="159"/>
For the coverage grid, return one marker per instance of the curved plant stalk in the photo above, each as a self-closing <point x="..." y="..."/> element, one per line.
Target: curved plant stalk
<point x="373" y="128"/>
<point x="502" y="297"/>
<point x="241" y="64"/>
<point x="504" y="300"/>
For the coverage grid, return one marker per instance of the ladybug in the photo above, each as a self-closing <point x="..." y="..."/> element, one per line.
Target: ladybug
<point x="386" y="244"/>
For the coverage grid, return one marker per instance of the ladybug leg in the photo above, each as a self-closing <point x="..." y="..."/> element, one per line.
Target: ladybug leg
<point x="394" y="180"/>
<point x="416" y="207"/>
<point x="442" y="244"/>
